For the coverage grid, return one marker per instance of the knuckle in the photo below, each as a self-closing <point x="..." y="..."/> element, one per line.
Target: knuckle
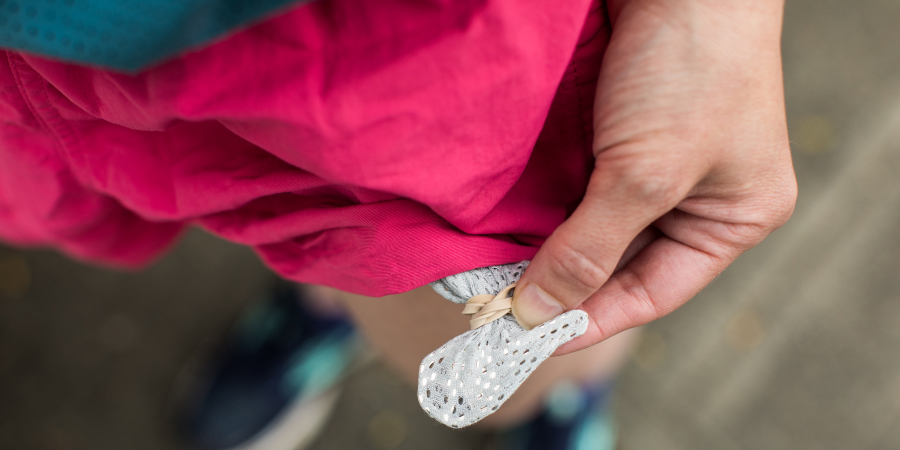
<point x="782" y="193"/>
<point x="767" y="213"/>
<point x="576" y="268"/>
<point x="642" y="308"/>
<point x="656" y="189"/>
<point x="655" y="183"/>
<point x="780" y="203"/>
<point x="787" y="202"/>
<point x="743" y="236"/>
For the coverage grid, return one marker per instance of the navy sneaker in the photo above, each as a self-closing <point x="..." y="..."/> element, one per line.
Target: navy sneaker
<point x="573" y="418"/>
<point x="275" y="379"/>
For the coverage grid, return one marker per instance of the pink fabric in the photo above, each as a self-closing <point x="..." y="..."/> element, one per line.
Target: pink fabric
<point x="370" y="146"/>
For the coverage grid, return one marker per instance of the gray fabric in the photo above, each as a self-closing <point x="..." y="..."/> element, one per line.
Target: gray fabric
<point x="469" y="377"/>
<point x="486" y="280"/>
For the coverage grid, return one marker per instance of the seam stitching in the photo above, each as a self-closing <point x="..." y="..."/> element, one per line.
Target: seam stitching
<point x="47" y="121"/>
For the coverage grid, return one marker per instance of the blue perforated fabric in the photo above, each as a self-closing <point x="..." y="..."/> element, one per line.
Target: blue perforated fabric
<point x="127" y="35"/>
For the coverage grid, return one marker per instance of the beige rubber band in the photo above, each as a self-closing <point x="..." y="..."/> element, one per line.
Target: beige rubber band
<point x="486" y="308"/>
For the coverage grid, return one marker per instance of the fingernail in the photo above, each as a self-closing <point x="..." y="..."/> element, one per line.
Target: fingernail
<point x="532" y="307"/>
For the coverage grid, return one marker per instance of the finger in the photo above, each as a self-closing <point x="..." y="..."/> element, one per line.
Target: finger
<point x="622" y="199"/>
<point x="661" y="278"/>
<point x="645" y="238"/>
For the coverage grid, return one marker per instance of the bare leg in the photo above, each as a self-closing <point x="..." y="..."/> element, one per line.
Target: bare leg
<point x="404" y="328"/>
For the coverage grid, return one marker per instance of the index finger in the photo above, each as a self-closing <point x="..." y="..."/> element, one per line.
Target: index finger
<point x="662" y="277"/>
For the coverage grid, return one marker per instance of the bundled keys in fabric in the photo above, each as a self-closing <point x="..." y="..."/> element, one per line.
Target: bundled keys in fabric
<point x="470" y="376"/>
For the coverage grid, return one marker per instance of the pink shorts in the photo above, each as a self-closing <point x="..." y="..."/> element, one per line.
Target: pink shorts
<point x="369" y="146"/>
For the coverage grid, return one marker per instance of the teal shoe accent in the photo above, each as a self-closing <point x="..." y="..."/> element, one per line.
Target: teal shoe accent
<point x="564" y="402"/>
<point x="280" y="360"/>
<point x="597" y="433"/>
<point x="322" y="364"/>
<point x="574" y="418"/>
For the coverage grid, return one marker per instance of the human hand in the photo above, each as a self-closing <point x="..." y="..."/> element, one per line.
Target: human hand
<point x="692" y="165"/>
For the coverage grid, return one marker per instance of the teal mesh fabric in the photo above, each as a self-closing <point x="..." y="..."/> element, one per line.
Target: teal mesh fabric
<point x="127" y="35"/>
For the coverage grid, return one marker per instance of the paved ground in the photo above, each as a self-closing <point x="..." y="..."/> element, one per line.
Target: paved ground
<point x="792" y="348"/>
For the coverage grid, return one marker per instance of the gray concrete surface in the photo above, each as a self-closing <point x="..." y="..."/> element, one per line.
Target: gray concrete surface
<point x="793" y="347"/>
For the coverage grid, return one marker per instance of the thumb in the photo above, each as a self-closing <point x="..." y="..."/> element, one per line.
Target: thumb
<point x="584" y="251"/>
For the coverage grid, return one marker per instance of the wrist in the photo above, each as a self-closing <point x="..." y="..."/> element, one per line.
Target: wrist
<point x="751" y="19"/>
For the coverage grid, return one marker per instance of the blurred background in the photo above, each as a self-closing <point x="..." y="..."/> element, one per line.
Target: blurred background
<point x="793" y="347"/>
